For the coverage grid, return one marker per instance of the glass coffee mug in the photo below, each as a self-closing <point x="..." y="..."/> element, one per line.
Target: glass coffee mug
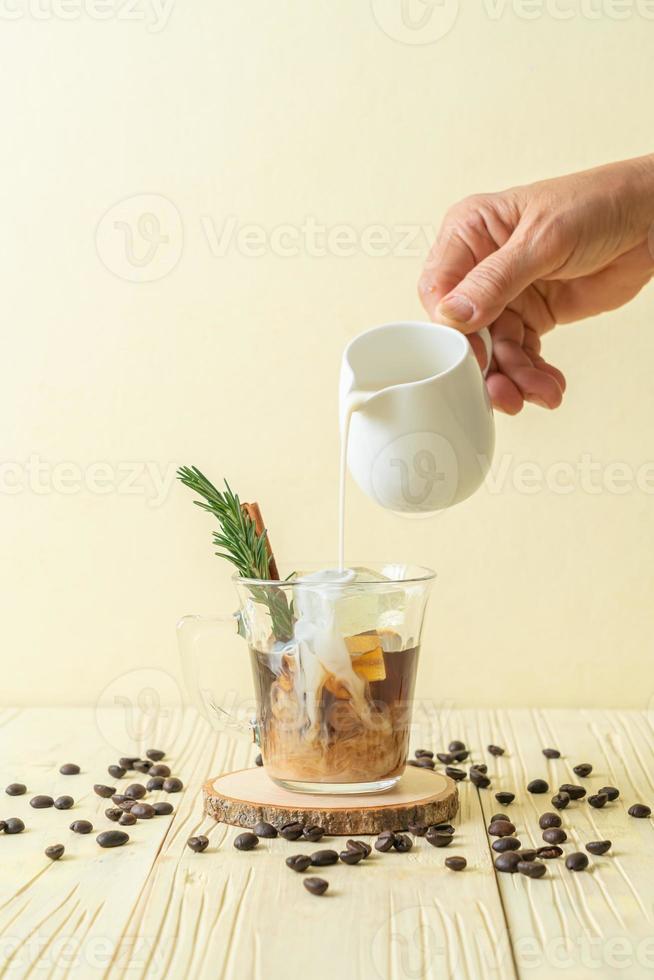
<point x="334" y="658"/>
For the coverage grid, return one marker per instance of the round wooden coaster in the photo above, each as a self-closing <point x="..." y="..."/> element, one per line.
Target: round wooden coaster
<point x="242" y="798"/>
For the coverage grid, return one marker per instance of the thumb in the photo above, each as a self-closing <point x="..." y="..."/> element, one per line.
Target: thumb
<point x="489" y="287"/>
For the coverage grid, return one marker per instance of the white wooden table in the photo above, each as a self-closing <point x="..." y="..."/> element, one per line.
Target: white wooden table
<point x="153" y="908"/>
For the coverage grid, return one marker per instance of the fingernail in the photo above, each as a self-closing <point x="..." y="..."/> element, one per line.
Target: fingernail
<point x="535" y="400"/>
<point x="457" y="308"/>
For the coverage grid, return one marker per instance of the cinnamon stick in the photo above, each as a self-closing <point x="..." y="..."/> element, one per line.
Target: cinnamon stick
<point x="254" y="513"/>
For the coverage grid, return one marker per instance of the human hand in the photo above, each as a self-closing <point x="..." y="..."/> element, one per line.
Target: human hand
<point x="525" y="259"/>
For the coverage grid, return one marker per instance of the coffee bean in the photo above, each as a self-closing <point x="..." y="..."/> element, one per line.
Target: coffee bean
<point x="598" y="847"/>
<point x="14" y="826"/>
<point x="551" y="753"/>
<point x="127" y="819"/>
<point x="291" y="831"/>
<point x="554" y="835"/>
<point x="480" y="767"/>
<point x="122" y="801"/>
<point x="456" y="746"/>
<point x="258" y="760"/>
<point x="402" y="843"/>
<point x="135" y="792"/>
<point x="441" y="828"/>
<point x="479" y="779"/>
<point x="162" y="809"/>
<point x="104" y="791"/>
<point x="142" y="765"/>
<point x="456" y="774"/>
<point x="507" y="862"/>
<point x="425" y="763"/>
<point x="417" y="829"/>
<point x="116" y="771"/>
<point x="313" y="834"/>
<point x="64" y="802"/>
<point x="505" y="798"/>
<point x="69" y="769"/>
<point x="41" y="802"/>
<point x="639" y="810"/>
<point x="351" y="857"/>
<point x="423" y="754"/>
<point x="455" y="863"/>
<point x="576" y="861"/>
<point x="598" y="800"/>
<point x="574" y="792"/>
<point x="532" y="869"/>
<point x="173" y="785"/>
<point x="498" y="816"/>
<point x="160" y="770"/>
<point x="439" y="840"/>
<point x="114" y="813"/>
<point x="495" y="750"/>
<point x="321" y="859"/>
<point x="54" y="851"/>
<point x="359" y="845"/>
<point x="460" y="756"/>
<point x="549" y="820"/>
<point x="155" y="754"/>
<point x="526" y="854"/>
<point x="560" y="800"/>
<point x="264" y="829"/>
<point x="413" y="762"/>
<point x="112" y="838"/>
<point x="81" y="826"/>
<point x="127" y="762"/>
<point x="387" y="833"/>
<point x="15" y="789"/>
<point x="198" y="844"/>
<point x="317" y="886"/>
<point x="143" y="811"/>
<point x="445" y="757"/>
<point x="384" y="843"/>
<point x="3" y="826"/>
<point x="154" y="784"/>
<point x="538" y="786"/>
<point x="501" y="828"/>
<point x="298" y="862"/>
<point x="503" y="844"/>
<point x="245" y="842"/>
<point x="551" y="851"/>
<point x="611" y="791"/>
<point x="583" y="769"/>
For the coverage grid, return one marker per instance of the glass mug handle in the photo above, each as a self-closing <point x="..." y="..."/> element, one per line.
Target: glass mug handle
<point x="191" y="630"/>
<point x="484" y="333"/>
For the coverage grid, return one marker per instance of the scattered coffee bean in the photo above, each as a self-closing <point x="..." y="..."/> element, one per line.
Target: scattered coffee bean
<point x="54" y="851"/>
<point x="15" y="789"/>
<point x="359" y="845"/>
<point x="135" y="792"/>
<point x="598" y="847"/>
<point x="526" y="854"/>
<point x="104" y="791"/>
<point x="455" y="863"/>
<point x="3" y="826"/>
<point x="576" y="861"/>
<point x="549" y="820"/>
<point x="413" y="762"/>
<point x="425" y="763"/>
<point x="14" y="826"/>
<point x="501" y="828"/>
<point x="498" y="816"/>
<point x="127" y="819"/>
<point x="538" y="786"/>
<point x="402" y="843"/>
<point x="505" y="799"/>
<point x="123" y="802"/>
<point x="639" y="810"/>
<point x="112" y="838"/>
<point x="611" y="791"/>
<point x="560" y="800"/>
<point x="384" y="842"/>
<point x="198" y="844"/>
<point x="503" y="844"/>
<point x="298" y="862"/>
<point x="116" y="771"/>
<point x="507" y="862"/>
<point x="574" y="792"/>
<point x="480" y="767"/>
<point x="479" y="779"/>
<point x="460" y="756"/>
<point x="162" y="809"/>
<point x="245" y="842"/>
<point x="445" y="757"/>
<point x="128" y="762"/>
<point x="291" y="831"/>
<point x="155" y="754"/>
<point x="41" y="802"/>
<point x="69" y="769"/>
<point x="317" y="886"/>
<point x="598" y="800"/>
<point x="143" y="765"/>
<point x="456" y="746"/>
<point x="313" y="834"/>
<point x="583" y="769"/>
<point x="81" y="826"/>
<point x="154" y="784"/>
<point x="114" y="813"/>
<point x="143" y="811"/>
<point x="321" y="859"/>
<point x="551" y="851"/>
<point x="264" y="829"/>
<point x="258" y="761"/>
<point x="551" y="753"/>
<point x="456" y="774"/>
<point x="173" y="785"/>
<point x="495" y="750"/>
<point x="64" y="803"/>
<point x="351" y="857"/>
<point x="160" y="770"/>
<point x="423" y="754"/>
<point x="532" y="869"/>
<point x="417" y="829"/>
<point x="438" y="840"/>
<point x="554" y="835"/>
<point x="441" y="828"/>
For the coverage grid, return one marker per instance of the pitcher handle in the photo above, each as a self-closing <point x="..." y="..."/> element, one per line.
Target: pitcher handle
<point x="190" y="630"/>
<point x="485" y="335"/>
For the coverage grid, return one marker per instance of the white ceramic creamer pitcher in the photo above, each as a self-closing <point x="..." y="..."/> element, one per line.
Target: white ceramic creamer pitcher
<point x="421" y="430"/>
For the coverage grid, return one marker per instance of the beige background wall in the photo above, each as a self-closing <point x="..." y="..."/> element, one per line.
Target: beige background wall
<point x="266" y="114"/>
